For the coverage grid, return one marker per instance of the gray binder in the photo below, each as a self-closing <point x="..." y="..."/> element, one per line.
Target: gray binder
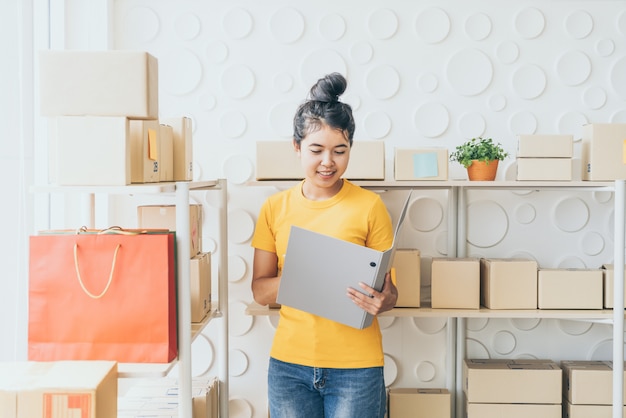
<point x="318" y="269"/>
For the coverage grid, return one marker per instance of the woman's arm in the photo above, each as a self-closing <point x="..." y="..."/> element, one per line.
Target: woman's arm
<point x="265" y="279"/>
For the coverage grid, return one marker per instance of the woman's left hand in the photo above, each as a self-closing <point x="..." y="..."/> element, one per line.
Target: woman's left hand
<point x="378" y="302"/>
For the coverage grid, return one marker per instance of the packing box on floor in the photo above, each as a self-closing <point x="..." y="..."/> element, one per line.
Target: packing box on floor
<point x="588" y="411"/>
<point x="406" y="272"/>
<point x="200" y="275"/>
<point x="508" y="283"/>
<point x="545" y="146"/>
<point x="603" y="151"/>
<point x="512" y="381"/>
<point x="508" y="410"/>
<point x="421" y="164"/>
<point x="277" y="160"/>
<point x="569" y="289"/>
<point x="164" y="217"/>
<point x="99" y="83"/>
<point x="183" y="146"/>
<point x="86" y="389"/>
<point x="588" y="382"/>
<point x="609" y="285"/>
<point x="419" y="403"/>
<point x="89" y="151"/>
<point x="455" y="283"/>
<point x="544" y="169"/>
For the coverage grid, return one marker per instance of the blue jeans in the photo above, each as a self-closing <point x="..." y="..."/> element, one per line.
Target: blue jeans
<point x="309" y="392"/>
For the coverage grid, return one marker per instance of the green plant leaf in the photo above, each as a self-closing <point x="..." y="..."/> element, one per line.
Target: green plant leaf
<point x="483" y="149"/>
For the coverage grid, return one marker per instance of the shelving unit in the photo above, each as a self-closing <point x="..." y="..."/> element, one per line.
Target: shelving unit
<point x="457" y="238"/>
<point x="186" y="330"/>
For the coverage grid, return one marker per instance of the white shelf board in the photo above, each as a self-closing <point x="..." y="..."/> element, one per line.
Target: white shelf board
<point x="131" y="189"/>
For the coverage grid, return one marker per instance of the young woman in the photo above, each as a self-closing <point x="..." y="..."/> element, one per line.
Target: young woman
<point x="318" y="367"/>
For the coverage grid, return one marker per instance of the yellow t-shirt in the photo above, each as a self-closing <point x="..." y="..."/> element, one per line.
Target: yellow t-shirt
<point x="354" y="214"/>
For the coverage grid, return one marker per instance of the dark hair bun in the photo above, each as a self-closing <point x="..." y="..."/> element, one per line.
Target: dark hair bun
<point x="329" y="88"/>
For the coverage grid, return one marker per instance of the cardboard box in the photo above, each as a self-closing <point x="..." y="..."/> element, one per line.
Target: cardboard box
<point x="512" y="381"/>
<point x="200" y="274"/>
<point x="89" y="151"/>
<point x="70" y="388"/>
<point x="588" y="411"/>
<point x="99" y="83"/>
<point x="419" y="403"/>
<point x="166" y="153"/>
<point x="588" y="382"/>
<point x="164" y="217"/>
<point x="421" y="164"/>
<point x="544" y="169"/>
<point x="183" y="147"/>
<point x="508" y="283"/>
<point x="406" y="275"/>
<point x="144" y="149"/>
<point x="545" y="146"/>
<point x="569" y="289"/>
<point x="609" y="285"/>
<point x="277" y="160"/>
<point x="507" y="410"/>
<point x="603" y="151"/>
<point x="455" y="283"/>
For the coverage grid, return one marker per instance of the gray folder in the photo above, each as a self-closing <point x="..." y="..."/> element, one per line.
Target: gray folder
<point x="318" y="269"/>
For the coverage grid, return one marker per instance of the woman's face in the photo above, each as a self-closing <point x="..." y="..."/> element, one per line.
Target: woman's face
<point x="324" y="155"/>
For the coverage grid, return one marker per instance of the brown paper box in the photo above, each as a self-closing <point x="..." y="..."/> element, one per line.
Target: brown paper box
<point x="164" y="217"/>
<point x="455" y="283"/>
<point x="508" y="283"/>
<point x="406" y="265"/>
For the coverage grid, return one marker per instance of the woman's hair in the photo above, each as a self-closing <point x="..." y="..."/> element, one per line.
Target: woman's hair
<point x="324" y="108"/>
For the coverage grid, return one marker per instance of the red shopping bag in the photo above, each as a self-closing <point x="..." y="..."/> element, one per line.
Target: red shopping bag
<point x="102" y="297"/>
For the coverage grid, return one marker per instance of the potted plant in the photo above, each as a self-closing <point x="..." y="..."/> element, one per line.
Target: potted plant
<point x="480" y="156"/>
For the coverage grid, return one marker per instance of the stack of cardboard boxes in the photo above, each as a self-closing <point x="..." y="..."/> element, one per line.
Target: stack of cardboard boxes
<point x="544" y="157"/>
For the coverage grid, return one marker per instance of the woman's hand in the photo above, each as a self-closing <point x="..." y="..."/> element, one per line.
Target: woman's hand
<point x="379" y="302"/>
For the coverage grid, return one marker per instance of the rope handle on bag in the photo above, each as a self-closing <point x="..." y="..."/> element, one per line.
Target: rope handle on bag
<point x="80" y="279"/>
<point x="111" y="230"/>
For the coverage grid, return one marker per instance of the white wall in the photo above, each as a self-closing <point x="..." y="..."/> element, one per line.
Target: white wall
<point x="421" y="73"/>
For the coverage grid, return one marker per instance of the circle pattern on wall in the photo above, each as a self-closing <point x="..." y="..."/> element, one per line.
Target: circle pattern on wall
<point x="240" y="226"/>
<point x="180" y="71"/>
<point x="530" y="23"/>
<point x="570" y="214"/>
<point x="141" y="24"/>
<point x="332" y="27"/>
<point x="618" y="77"/>
<point x="579" y="24"/>
<point x="573" y="68"/>
<point x="425" y="214"/>
<point x="281" y="118"/>
<point x="237" y="268"/>
<point x="237" y="23"/>
<point x="237" y="81"/>
<point x="318" y="63"/>
<point x="469" y="72"/>
<point x="239" y="408"/>
<point x="286" y="25"/>
<point x="478" y="26"/>
<point x="425" y="371"/>
<point x="237" y="362"/>
<point x="238" y="169"/>
<point x="430" y="326"/>
<point x="187" y="26"/>
<point x="390" y="370"/>
<point x="382" y="24"/>
<point x="377" y="124"/>
<point x="239" y="323"/>
<point x="432" y="25"/>
<point x="382" y="82"/>
<point x="528" y="81"/>
<point x="490" y="213"/>
<point x="431" y="119"/>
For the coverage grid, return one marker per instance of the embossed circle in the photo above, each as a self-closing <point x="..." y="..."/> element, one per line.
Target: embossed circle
<point x="180" y="71"/>
<point x="478" y="26"/>
<point x="592" y="243"/>
<point x="207" y="101"/>
<point x="209" y="245"/>
<point x="430" y="326"/>
<point x="377" y="124"/>
<point x="471" y="125"/>
<point x="385" y="322"/>
<point x="602" y="351"/>
<point x="525" y="324"/>
<point x="475" y="349"/>
<point x="362" y="52"/>
<point x="390" y="370"/>
<point x="621" y="23"/>
<point x="594" y="97"/>
<point x="476" y="324"/>
<point x="571" y="214"/>
<point x="141" y="23"/>
<point x="427" y="82"/>
<point x="319" y="63"/>
<point x="530" y="23"/>
<point x="233" y="124"/>
<point x="528" y="81"/>
<point x="523" y="123"/>
<point x="618" y="77"/>
<point x="571" y="122"/>
<point x="579" y="24"/>
<point x="441" y="242"/>
<point x="238" y="81"/>
<point x="496" y="102"/>
<point x="237" y="362"/>
<point x="382" y="24"/>
<point x="504" y="342"/>
<point x="240" y="226"/>
<point x="425" y="371"/>
<point x="432" y="25"/>
<point x="605" y="47"/>
<point x="237" y="268"/>
<point x="425" y="214"/>
<point x="507" y="52"/>
<point x="283" y="82"/>
<point x="237" y="23"/>
<point x="281" y="118"/>
<point x="431" y="119"/>
<point x="238" y="322"/>
<point x="486" y="212"/>
<point x="238" y="169"/>
<point x="573" y="68"/>
<point x="571" y="262"/>
<point x="525" y="213"/>
<point x="239" y="408"/>
<point x="217" y="52"/>
<point x="187" y="26"/>
<point x="286" y="25"/>
<point x="469" y="72"/>
<point x="382" y="82"/>
<point x="602" y="197"/>
<point x="202" y="354"/>
<point x="332" y="27"/>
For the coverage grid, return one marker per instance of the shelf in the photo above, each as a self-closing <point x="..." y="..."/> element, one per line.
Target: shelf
<point x="143" y="188"/>
<point x="255" y="309"/>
